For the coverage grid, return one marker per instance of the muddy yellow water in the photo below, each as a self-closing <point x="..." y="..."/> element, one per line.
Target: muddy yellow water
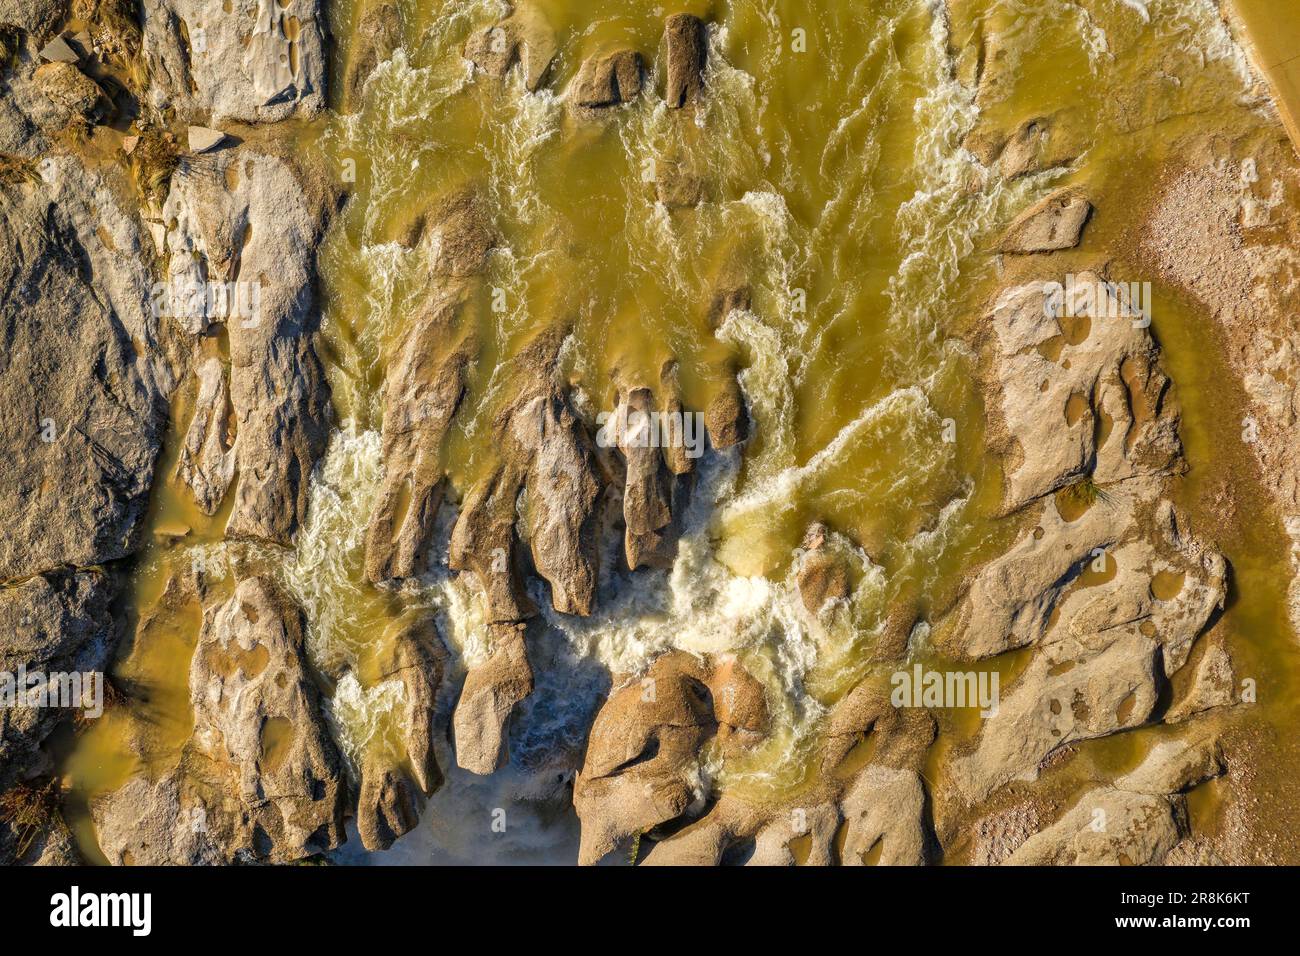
<point x="835" y="185"/>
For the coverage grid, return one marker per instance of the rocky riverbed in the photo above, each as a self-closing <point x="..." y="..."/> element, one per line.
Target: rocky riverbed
<point x="717" y="434"/>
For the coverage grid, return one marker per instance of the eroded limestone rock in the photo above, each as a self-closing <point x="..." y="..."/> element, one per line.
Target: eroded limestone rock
<point x="484" y="542"/>
<point x="243" y="221"/>
<point x="207" y="460"/>
<point x="1054" y="223"/>
<point x="75" y="96"/>
<point x="648" y="489"/>
<point x="386" y="807"/>
<point x="489" y="696"/>
<point x="1104" y="647"/>
<point x="1078" y="389"/>
<point x="641" y="767"/>
<point x="525" y="37"/>
<point x="1136" y="821"/>
<point x="259" y="778"/>
<point x="423" y="390"/>
<point x="543" y="442"/>
<point x="261" y="61"/>
<point x="82" y="383"/>
<point x="687" y="46"/>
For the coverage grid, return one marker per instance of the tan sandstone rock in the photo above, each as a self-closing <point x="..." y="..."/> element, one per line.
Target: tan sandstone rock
<point x="1054" y="223"/>
<point x="686" y="43"/>
<point x="490" y="693"/>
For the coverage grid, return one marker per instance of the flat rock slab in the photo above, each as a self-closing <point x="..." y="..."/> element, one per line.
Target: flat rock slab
<point x="1054" y="223"/>
<point x="59" y="50"/>
<point x="203" y="140"/>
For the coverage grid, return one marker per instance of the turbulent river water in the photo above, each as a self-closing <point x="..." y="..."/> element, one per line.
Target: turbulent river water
<point x="838" y="186"/>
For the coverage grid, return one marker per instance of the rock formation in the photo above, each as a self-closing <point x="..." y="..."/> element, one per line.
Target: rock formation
<point x="686" y="44"/>
<point x="1054" y="223"/>
<point x="264" y="279"/>
<point x="257" y="63"/>
<point x="260" y="778"/>
<point x="524" y="38"/>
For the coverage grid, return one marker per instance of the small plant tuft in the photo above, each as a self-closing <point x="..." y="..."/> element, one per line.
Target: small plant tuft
<point x="29" y="810"/>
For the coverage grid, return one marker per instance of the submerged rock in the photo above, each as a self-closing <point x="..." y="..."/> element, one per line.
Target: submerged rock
<point x="378" y="35"/>
<point x="823" y="575"/>
<point x="459" y="235"/>
<point x="1038" y="144"/>
<point x="542" y="439"/>
<point x="678" y="186"/>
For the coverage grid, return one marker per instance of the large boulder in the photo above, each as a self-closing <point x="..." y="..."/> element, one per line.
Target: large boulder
<point x="40" y="18"/>
<point x="607" y="79"/>
<point x="490" y="694"/>
<point x="648" y="488"/>
<point x="642" y="763"/>
<point x="58" y="623"/>
<point x="258" y="62"/>
<point x="82" y="393"/>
